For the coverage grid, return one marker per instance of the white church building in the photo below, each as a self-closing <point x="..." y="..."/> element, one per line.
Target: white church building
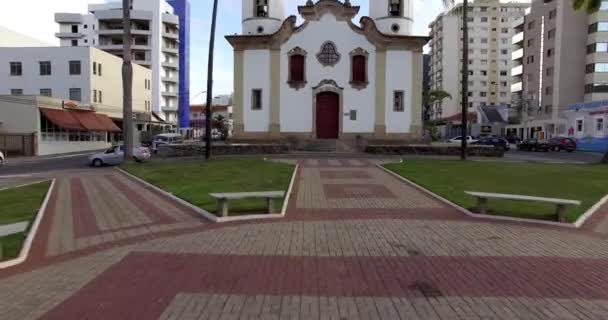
<point x="327" y="77"/>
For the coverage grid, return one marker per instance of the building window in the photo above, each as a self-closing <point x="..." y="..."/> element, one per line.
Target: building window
<point x="16" y="92"/>
<point x="297" y="68"/>
<point x="597" y="47"/>
<point x="16" y="68"/>
<point x="95" y="68"/>
<point x="551" y="34"/>
<point x="100" y="96"/>
<point x="484" y="19"/>
<point x="599" y="125"/>
<point x="256" y="99"/>
<point x="503" y="72"/>
<point x="358" y="74"/>
<point x="94" y="96"/>
<point x="530" y="42"/>
<point x="46" y="92"/>
<point x="99" y="69"/>
<point x="549" y="71"/>
<point x="579" y="125"/>
<point x="394" y="8"/>
<point x="74" y="43"/>
<point x="75" y="94"/>
<point x="74" y="67"/>
<point x="45" y="68"/>
<point x="597" y="67"/>
<point x="261" y="8"/>
<point x="398" y="101"/>
<point x="596" y="88"/>
<point x="530" y="59"/>
<point x="504" y="30"/>
<point x="483" y="94"/>
<point x="598" y="26"/>
<point x="552" y="14"/>
<point x="549" y="90"/>
<point x="531" y="25"/>
<point x="74" y="28"/>
<point x="328" y="56"/>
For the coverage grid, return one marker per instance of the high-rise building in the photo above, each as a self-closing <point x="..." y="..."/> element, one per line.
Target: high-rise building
<point x="182" y="10"/>
<point x="155" y="30"/>
<point x="557" y="55"/>
<point x="490" y="32"/>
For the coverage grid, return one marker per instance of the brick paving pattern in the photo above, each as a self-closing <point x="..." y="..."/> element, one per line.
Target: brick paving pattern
<point x="356" y="243"/>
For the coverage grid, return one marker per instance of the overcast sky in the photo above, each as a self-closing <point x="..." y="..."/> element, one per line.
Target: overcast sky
<point x="40" y="24"/>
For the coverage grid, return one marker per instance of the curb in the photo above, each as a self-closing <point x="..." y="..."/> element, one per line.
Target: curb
<point x="211" y="217"/>
<point x="27" y="244"/>
<point x="579" y="222"/>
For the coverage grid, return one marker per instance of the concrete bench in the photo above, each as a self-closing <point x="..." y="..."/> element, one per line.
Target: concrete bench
<point x="561" y="204"/>
<point x="11" y="229"/>
<point x="223" y="198"/>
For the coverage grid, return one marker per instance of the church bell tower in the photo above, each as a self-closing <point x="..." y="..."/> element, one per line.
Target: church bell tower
<point x="393" y="17"/>
<point x="263" y="16"/>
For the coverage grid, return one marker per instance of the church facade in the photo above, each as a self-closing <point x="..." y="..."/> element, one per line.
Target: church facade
<point x="327" y="77"/>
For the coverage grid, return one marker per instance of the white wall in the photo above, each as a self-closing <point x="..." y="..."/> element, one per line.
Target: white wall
<point x="59" y="147"/>
<point x="296" y="105"/>
<point x="256" y="75"/>
<point x="399" y="78"/>
<point x="60" y="81"/>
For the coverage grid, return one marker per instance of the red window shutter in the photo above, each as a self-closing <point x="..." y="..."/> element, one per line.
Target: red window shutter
<point x="359" y="69"/>
<point x="297" y="68"/>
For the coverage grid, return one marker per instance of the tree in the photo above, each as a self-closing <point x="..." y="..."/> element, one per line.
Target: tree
<point x="591" y="6"/>
<point x="434" y="96"/>
<point x="127" y="83"/>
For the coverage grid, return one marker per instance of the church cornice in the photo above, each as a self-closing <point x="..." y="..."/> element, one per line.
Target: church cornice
<point x="313" y="12"/>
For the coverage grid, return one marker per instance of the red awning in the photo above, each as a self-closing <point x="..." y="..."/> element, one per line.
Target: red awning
<point x="107" y="123"/>
<point x="88" y="120"/>
<point x="61" y="118"/>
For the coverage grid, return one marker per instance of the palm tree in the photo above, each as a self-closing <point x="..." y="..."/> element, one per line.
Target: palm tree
<point x="589" y="5"/>
<point x="432" y="97"/>
<point x="127" y="83"/>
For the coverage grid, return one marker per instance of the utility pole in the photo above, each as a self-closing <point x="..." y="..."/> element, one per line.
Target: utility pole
<point x="208" y="113"/>
<point x="127" y="83"/>
<point x="465" y="78"/>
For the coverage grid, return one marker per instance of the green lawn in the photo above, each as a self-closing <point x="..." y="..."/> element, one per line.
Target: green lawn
<point x="17" y="205"/>
<point x="450" y="178"/>
<point x="193" y="180"/>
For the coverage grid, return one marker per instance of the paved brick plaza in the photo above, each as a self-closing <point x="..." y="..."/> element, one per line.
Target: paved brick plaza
<point x="357" y="243"/>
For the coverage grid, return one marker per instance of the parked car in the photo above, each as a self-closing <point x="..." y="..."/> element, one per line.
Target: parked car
<point x="470" y="139"/>
<point x="166" y="138"/>
<point x="1" y="158"/>
<point x="513" y="139"/>
<point x="495" y="142"/>
<point x="116" y="154"/>
<point x="562" y="143"/>
<point x="534" y="145"/>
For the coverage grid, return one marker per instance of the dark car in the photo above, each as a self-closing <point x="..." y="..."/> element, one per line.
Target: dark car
<point x="561" y="143"/>
<point x="513" y="139"/>
<point x="534" y="145"/>
<point x="495" y="142"/>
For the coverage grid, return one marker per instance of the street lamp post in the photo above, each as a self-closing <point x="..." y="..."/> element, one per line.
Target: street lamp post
<point x="210" y="84"/>
<point x="465" y="78"/>
<point x="127" y="83"/>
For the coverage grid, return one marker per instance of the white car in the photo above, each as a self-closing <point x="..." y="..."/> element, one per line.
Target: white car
<point x="458" y="140"/>
<point x="116" y="154"/>
<point x="1" y="158"/>
<point x="166" y="138"/>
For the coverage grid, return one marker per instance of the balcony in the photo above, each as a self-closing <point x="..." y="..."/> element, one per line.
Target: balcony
<point x="519" y="22"/>
<point x="170" y="93"/>
<point x="68" y="18"/>
<point x="170" y="79"/>
<point x="169" y="108"/>
<point x="171" y="35"/>
<point x="517" y="54"/>
<point x="171" y="65"/>
<point x="516" y="71"/>
<point x="517" y="38"/>
<point x="516" y="87"/>
<point x="170" y="19"/>
<point x="171" y="50"/>
<point x="110" y="47"/>
<point x="144" y="63"/>
<point x="69" y="35"/>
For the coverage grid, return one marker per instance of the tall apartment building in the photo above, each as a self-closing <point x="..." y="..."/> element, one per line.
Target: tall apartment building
<point x="155" y="30"/>
<point x="490" y="32"/>
<point x="558" y="55"/>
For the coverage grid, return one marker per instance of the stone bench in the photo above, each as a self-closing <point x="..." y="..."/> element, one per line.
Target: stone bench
<point x="561" y="204"/>
<point x="11" y="229"/>
<point x="223" y="198"/>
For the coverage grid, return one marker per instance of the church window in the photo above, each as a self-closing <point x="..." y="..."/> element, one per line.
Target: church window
<point x="297" y="68"/>
<point x="398" y="101"/>
<point x="256" y="99"/>
<point x="329" y="55"/>
<point x="261" y="8"/>
<point x="358" y="76"/>
<point x="394" y="8"/>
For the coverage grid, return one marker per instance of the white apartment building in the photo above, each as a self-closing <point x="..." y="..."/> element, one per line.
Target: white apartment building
<point x="155" y="31"/>
<point x="490" y="62"/>
<point x="70" y="98"/>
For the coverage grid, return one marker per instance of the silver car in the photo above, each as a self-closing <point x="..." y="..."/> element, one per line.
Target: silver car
<point x="1" y="158"/>
<point x="116" y="154"/>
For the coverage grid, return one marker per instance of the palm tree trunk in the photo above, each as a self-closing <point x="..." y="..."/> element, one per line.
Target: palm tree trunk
<point x="127" y="83"/>
<point x="208" y="112"/>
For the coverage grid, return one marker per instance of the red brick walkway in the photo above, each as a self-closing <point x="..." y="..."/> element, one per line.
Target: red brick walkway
<point x="357" y="243"/>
